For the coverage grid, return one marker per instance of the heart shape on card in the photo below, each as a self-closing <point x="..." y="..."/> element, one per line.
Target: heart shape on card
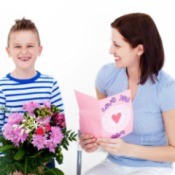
<point x="116" y="117"/>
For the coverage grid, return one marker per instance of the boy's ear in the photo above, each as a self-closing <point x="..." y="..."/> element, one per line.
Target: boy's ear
<point x="40" y="50"/>
<point x="8" y="51"/>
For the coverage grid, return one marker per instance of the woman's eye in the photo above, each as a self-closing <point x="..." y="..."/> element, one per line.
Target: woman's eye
<point x="116" y="45"/>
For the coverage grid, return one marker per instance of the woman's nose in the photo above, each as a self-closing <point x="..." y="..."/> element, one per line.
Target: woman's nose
<point x="112" y="49"/>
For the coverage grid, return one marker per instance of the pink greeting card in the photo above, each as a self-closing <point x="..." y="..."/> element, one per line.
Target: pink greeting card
<point x="108" y="117"/>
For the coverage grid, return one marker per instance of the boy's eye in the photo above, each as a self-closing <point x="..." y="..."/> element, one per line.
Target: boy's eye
<point x="17" y="47"/>
<point x="30" y="46"/>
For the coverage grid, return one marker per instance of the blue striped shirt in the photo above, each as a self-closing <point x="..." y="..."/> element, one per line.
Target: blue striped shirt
<point x="148" y="104"/>
<point x="16" y="92"/>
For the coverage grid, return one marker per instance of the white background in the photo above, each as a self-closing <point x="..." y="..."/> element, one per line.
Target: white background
<point x="75" y="35"/>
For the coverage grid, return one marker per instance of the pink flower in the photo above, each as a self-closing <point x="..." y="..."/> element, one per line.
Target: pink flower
<point x="60" y="117"/>
<point x="48" y="127"/>
<point x="63" y="124"/>
<point x="15" y="134"/>
<point x="50" y="145"/>
<point x="30" y="107"/>
<point x="39" y="141"/>
<point x="56" y="135"/>
<point x="8" y="131"/>
<point x="43" y="121"/>
<point x="47" y="104"/>
<point x="15" y="118"/>
<point x="60" y="120"/>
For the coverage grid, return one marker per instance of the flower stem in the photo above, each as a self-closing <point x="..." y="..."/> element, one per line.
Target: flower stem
<point x="26" y="163"/>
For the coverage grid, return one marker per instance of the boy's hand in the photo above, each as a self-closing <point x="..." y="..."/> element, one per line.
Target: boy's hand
<point x="17" y="173"/>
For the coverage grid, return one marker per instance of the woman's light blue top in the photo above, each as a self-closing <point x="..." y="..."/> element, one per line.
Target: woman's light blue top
<point x="148" y="104"/>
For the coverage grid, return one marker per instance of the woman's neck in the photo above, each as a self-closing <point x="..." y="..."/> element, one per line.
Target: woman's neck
<point x="133" y="75"/>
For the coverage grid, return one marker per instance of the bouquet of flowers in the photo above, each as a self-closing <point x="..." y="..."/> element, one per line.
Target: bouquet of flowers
<point x="31" y="139"/>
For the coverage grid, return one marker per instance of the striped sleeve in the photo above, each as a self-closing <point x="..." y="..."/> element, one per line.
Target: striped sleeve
<point x="56" y="97"/>
<point x="2" y="105"/>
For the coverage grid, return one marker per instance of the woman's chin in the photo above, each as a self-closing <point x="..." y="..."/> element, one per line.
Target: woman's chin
<point x="118" y="65"/>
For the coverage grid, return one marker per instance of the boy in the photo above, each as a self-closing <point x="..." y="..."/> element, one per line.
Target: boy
<point x="25" y="83"/>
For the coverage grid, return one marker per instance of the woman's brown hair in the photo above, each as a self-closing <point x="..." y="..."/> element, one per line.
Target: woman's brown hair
<point x="139" y="28"/>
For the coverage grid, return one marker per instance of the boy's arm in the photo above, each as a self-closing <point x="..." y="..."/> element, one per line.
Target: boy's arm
<point x="56" y="97"/>
<point x="2" y="110"/>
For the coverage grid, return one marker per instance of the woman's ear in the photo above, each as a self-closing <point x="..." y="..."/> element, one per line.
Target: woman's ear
<point x="140" y="49"/>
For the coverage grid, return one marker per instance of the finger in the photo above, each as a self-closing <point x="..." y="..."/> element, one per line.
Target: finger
<point x="89" y="145"/>
<point x="106" y="140"/>
<point x="89" y="140"/>
<point x="86" y="136"/>
<point x="91" y="149"/>
<point x="111" y="148"/>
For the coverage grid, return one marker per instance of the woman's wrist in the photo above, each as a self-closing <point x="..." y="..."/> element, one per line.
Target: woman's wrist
<point x="131" y="150"/>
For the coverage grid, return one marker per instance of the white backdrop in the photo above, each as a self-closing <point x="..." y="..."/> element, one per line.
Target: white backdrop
<point x="75" y="35"/>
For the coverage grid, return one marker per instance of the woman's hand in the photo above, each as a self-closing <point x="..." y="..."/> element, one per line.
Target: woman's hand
<point x="114" y="146"/>
<point x="88" y="142"/>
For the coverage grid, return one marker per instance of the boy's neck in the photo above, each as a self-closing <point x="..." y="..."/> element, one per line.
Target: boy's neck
<point x="23" y="74"/>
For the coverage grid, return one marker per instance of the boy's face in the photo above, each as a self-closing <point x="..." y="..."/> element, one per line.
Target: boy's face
<point x="24" y="49"/>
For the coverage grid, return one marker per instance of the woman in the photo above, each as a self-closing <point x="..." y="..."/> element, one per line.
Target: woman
<point x="139" y="56"/>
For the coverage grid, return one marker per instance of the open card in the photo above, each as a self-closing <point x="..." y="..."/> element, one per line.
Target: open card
<point x="108" y="117"/>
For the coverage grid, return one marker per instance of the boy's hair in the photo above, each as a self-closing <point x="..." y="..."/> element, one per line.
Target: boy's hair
<point x="25" y="25"/>
<point x="139" y="28"/>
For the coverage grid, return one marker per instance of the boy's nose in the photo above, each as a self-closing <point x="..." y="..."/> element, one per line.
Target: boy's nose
<point x="24" y="50"/>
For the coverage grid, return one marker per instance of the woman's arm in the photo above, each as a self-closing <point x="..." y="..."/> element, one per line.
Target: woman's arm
<point x="99" y="94"/>
<point x="157" y="153"/>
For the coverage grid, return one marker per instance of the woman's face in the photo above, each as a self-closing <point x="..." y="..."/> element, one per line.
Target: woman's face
<point x="124" y="54"/>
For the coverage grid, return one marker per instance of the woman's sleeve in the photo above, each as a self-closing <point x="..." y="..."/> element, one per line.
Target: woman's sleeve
<point x="167" y="96"/>
<point x="103" y="78"/>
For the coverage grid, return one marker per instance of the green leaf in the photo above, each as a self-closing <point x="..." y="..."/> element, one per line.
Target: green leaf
<point x="19" y="155"/>
<point x="6" y="147"/>
<point x="65" y="147"/>
<point x="53" y="171"/>
<point x="37" y="154"/>
<point x="59" y="158"/>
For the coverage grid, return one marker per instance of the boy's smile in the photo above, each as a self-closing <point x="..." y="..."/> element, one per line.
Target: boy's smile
<point x="24" y="58"/>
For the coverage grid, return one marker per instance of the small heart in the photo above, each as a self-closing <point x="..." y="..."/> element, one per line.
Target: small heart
<point x="116" y="117"/>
